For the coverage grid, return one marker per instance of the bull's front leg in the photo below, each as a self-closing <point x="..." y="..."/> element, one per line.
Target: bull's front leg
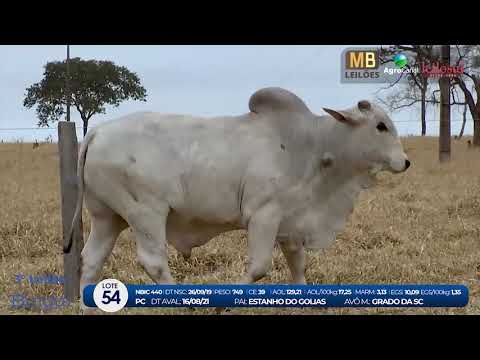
<point x="294" y="253"/>
<point x="262" y="233"/>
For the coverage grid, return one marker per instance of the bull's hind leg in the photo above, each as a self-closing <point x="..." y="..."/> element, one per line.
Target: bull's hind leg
<point x="150" y="231"/>
<point x="105" y="228"/>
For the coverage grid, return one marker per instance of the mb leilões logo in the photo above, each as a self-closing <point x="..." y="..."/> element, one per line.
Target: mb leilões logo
<point x="361" y="64"/>
<point x="362" y="59"/>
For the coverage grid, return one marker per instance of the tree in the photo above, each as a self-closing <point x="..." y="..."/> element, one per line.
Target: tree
<point x="93" y="85"/>
<point x="470" y="56"/>
<point x="416" y="88"/>
<point x="464" y="121"/>
<point x="445" y="110"/>
<point x="408" y="95"/>
<point x="468" y="82"/>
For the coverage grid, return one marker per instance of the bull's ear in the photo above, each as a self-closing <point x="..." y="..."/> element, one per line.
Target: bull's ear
<point x="340" y="117"/>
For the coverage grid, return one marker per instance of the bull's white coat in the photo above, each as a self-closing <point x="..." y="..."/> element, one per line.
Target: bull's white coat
<point x="280" y="171"/>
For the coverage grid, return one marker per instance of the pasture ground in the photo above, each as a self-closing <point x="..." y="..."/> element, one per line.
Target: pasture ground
<point x="422" y="226"/>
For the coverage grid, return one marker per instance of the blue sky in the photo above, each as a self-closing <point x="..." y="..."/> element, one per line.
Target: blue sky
<point x="201" y="80"/>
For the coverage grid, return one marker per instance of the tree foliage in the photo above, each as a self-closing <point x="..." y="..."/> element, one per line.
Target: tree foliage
<point x="93" y="85"/>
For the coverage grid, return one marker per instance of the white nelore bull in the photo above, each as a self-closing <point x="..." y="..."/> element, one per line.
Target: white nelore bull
<point x="283" y="173"/>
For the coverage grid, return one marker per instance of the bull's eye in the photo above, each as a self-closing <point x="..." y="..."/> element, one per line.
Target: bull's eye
<point x="382" y="127"/>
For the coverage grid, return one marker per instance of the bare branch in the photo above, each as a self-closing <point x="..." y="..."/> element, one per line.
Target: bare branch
<point x="398" y="107"/>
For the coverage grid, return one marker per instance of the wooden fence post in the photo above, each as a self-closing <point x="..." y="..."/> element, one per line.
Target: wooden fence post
<point x="68" y="154"/>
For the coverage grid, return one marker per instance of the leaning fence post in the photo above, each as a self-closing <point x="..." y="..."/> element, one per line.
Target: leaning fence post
<point x="68" y="154"/>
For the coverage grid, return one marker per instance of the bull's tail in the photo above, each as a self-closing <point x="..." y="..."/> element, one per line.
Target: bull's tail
<point x="78" y="210"/>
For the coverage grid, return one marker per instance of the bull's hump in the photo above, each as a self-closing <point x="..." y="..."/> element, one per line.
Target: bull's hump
<point x="275" y="99"/>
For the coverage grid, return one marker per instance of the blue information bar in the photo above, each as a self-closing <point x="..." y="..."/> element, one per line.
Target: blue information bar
<point x="283" y="296"/>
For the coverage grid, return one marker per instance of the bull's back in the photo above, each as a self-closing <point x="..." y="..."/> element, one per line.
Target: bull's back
<point x="195" y="164"/>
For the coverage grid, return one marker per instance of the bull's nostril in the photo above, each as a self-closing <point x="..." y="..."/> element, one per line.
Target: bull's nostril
<point x="407" y="164"/>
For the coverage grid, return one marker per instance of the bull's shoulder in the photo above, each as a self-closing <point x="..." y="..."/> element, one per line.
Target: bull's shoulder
<point x="275" y="99"/>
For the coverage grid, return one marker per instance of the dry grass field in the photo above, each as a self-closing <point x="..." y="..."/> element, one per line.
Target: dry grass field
<point x="421" y="226"/>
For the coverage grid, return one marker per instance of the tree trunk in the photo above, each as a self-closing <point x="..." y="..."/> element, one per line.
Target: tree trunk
<point x="445" y="134"/>
<point x="476" y="118"/>
<point x="85" y="127"/>
<point x="464" y="121"/>
<point x="474" y="111"/>
<point x="424" y="105"/>
<point x="476" y="128"/>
